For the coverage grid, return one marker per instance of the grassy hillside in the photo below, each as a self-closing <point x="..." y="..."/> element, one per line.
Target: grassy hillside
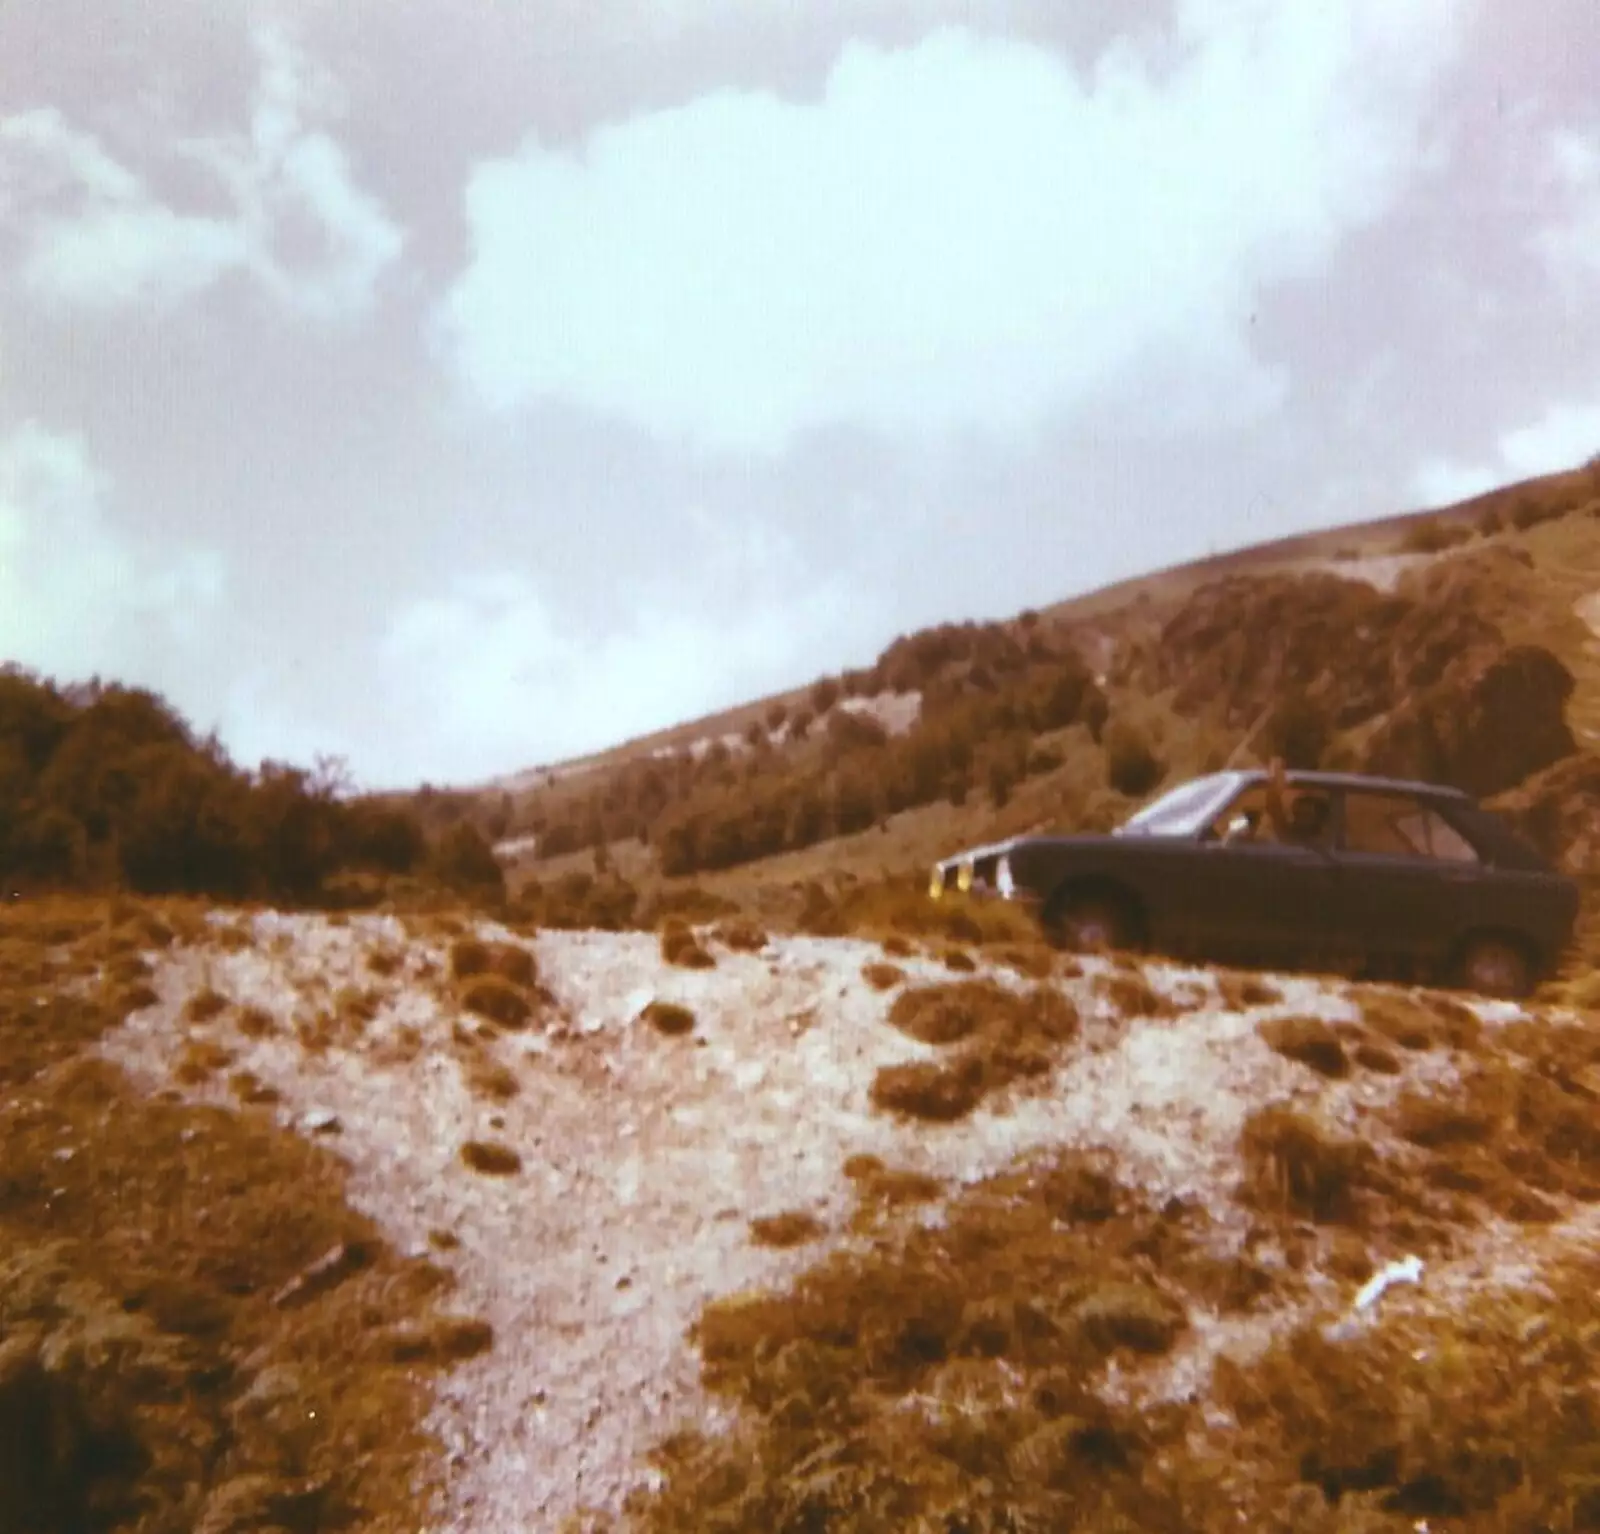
<point x="1455" y="644"/>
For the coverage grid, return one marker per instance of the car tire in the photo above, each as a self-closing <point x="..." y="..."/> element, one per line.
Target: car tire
<point x="1089" y="925"/>
<point x="1494" y="966"/>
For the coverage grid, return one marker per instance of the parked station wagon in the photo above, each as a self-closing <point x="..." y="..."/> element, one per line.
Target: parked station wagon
<point x="1378" y="877"/>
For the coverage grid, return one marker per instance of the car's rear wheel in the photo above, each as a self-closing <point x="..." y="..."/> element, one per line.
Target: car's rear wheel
<point x="1089" y="924"/>
<point x="1494" y="966"/>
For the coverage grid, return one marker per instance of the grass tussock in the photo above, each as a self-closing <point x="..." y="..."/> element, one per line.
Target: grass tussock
<point x="1293" y="1164"/>
<point x="471" y="958"/>
<point x="498" y="1001"/>
<point x="491" y="1158"/>
<point x="1308" y="1041"/>
<point x="205" y="1006"/>
<point x="897" y="946"/>
<point x="1240" y="991"/>
<point x="1129" y="993"/>
<point x="1421" y="1020"/>
<point x="741" y="934"/>
<point x="669" y="1017"/>
<point x="1004" y="1036"/>
<point x="494" y="1081"/>
<point x="959" y="961"/>
<point x="680" y="946"/>
<point x="791" y="1228"/>
<point x="881" y="976"/>
<point x="255" y="1022"/>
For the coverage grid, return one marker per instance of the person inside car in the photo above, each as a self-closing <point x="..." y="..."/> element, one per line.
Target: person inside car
<point x="1298" y="818"/>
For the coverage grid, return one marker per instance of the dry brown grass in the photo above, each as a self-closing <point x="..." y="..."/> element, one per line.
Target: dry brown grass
<point x="1240" y="992"/>
<point x="491" y="1158"/>
<point x="511" y="962"/>
<point x="681" y="947"/>
<point x="206" y="1005"/>
<point x="741" y="934"/>
<point x="959" y="961"/>
<point x="1307" y="1040"/>
<point x="497" y="1000"/>
<point x="490" y="1079"/>
<point x="1130" y="993"/>
<point x="142" y="1245"/>
<point x="793" y="1227"/>
<point x="255" y="1022"/>
<point x="881" y="976"/>
<point x="1296" y="1165"/>
<point x="668" y="1017"/>
<point x="1005" y="1037"/>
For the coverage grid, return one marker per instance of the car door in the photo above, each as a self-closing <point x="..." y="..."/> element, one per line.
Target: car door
<point x="1405" y="877"/>
<point x="1263" y="895"/>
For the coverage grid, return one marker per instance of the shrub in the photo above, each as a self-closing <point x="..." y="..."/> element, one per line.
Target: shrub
<point x="1132" y="766"/>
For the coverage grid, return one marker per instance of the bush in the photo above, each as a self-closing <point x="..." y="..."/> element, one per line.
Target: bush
<point x="1132" y="766"/>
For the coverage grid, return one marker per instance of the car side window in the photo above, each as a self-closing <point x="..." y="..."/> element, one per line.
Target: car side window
<point x="1395" y="825"/>
<point x="1448" y="844"/>
<point x="1385" y="825"/>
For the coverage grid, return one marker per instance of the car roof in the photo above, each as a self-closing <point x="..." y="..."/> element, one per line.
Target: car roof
<point x="1360" y="781"/>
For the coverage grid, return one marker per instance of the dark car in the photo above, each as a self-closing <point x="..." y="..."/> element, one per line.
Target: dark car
<point x="1372" y="876"/>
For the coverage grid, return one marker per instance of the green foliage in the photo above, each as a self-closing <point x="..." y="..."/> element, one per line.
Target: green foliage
<point x="1132" y="766"/>
<point x="106" y="786"/>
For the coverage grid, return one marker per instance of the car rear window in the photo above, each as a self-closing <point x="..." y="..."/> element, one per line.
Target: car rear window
<point x="1397" y="825"/>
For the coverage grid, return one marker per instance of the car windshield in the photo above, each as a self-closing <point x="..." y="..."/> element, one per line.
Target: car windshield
<point x="1184" y="810"/>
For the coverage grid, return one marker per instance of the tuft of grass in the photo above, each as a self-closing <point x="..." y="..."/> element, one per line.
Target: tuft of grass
<point x="960" y="961"/>
<point x="935" y="1091"/>
<point x="491" y="1158"/>
<point x="897" y="946"/>
<point x="1006" y="1036"/>
<point x="205" y="1006"/>
<point x="497" y="1000"/>
<point x="1307" y="1040"/>
<point x="471" y="957"/>
<point x="385" y="961"/>
<point x="1132" y="1315"/>
<point x="1293" y="1164"/>
<point x="741" y="934"/>
<point x="881" y="976"/>
<point x="490" y="1079"/>
<point x="669" y="1017"/>
<point x="1130" y="994"/>
<point x="681" y="947"/>
<point x="793" y="1227"/>
<point x="1241" y="992"/>
<point x="255" y="1022"/>
<point x="199" y="1060"/>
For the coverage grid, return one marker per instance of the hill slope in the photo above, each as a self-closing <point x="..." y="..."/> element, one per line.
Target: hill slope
<point x="1457" y="644"/>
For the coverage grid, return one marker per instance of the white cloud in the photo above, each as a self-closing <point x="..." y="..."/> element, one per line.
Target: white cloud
<point x="1564" y="437"/>
<point x="97" y="235"/>
<point x="78" y="596"/>
<point x="485" y="676"/>
<point x="962" y="233"/>
<point x="1569" y="242"/>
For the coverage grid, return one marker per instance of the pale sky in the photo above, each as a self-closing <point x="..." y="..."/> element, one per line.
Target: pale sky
<point x="456" y="386"/>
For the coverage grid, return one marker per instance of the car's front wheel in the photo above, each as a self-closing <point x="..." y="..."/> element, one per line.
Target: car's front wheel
<point x="1494" y="966"/>
<point x="1089" y="924"/>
